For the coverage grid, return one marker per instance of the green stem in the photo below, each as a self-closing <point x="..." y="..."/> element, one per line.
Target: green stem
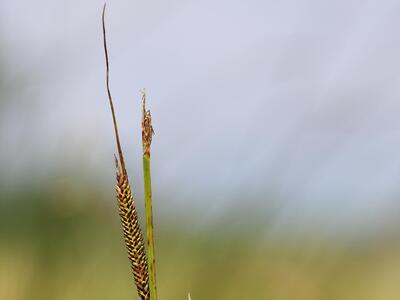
<point x="149" y="226"/>
<point x="147" y="135"/>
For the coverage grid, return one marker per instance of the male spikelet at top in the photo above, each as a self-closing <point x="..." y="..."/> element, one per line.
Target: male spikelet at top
<point x="127" y="209"/>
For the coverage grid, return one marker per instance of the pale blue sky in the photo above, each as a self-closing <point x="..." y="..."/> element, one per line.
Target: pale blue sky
<point x="298" y="100"/>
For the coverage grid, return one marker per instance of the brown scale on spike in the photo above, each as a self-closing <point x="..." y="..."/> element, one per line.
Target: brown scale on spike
<point x="132" y="233"/>
<point x="127" y="210"/>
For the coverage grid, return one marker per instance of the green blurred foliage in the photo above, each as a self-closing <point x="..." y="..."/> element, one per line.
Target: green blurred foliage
<point x="64" y="242"/>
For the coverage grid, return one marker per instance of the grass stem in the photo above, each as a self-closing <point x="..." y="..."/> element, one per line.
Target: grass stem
<point x="147" y="134"/>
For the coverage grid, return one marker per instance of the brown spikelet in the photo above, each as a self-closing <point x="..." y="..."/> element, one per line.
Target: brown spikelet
<point x="147" y="128"/>
<point x="132" y="234"/>
<point x="126" y="204"/>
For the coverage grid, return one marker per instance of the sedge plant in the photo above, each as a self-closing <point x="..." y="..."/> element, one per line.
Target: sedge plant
<point x="142" y="263"/>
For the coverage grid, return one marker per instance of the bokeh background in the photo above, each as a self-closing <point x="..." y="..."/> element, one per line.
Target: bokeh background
<point x="276" y="159"/>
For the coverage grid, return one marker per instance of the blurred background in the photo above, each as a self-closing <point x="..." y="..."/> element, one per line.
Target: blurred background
<point x="275" y="164"/>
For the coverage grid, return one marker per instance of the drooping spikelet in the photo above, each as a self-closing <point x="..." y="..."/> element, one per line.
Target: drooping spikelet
<point x="132" y="234"/>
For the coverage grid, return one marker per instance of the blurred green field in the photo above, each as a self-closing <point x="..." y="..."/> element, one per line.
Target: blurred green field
<point x="55" y="244"/>
<point x="265" y="112"/>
